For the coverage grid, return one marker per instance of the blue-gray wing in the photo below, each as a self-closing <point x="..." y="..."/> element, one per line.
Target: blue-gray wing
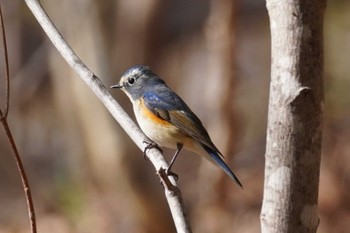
<point x="170" y="107"/>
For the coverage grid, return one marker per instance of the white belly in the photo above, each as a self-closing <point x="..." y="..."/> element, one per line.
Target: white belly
<point x="164" y="135"/>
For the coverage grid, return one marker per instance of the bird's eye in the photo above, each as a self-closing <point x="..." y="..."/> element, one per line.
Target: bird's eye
<point x="131" y="81"/>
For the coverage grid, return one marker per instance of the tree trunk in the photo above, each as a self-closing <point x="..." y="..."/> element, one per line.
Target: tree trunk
<point x="294" y="132"/>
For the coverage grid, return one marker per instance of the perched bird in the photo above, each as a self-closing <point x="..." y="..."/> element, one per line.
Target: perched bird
<point x="166" y="119"/>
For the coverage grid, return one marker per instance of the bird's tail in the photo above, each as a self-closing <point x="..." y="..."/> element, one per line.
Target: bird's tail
<point x="216" y="157"/>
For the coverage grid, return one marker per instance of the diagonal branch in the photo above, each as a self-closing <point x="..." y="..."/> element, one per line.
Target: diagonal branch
<point x="172" y="193"/>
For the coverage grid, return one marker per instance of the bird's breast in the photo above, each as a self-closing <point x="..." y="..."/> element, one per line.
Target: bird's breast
<point x="157" y="129"/>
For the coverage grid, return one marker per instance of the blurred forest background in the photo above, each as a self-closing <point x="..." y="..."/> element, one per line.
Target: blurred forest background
<point x="87" y="176"/>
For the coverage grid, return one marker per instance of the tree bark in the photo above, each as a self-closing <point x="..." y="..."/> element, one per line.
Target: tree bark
<point x="294" y="133"/>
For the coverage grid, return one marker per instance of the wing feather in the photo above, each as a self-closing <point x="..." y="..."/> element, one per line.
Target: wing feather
<point x="173" y="109"/>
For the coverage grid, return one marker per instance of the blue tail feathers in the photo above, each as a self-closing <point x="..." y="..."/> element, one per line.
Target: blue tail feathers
<point x="218" y="160"/>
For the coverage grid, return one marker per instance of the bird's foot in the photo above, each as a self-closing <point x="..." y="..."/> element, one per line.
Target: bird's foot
<point x="170" y="173"/>
<point x="150" y="145"/>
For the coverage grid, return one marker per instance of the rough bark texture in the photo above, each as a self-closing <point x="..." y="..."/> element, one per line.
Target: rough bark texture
<point x="294" y="133"/>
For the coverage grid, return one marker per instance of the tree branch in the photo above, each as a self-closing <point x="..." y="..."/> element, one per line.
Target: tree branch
<point x="7" y="70"/>
<point x="3" y="119"/>
<point x="172" y="192"/>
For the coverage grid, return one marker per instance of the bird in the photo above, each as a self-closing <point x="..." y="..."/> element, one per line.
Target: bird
<point x="166" y="119"/>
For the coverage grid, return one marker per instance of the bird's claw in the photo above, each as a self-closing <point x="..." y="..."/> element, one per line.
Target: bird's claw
<point x="149" y="146"/>
<point x="173" y="174"/>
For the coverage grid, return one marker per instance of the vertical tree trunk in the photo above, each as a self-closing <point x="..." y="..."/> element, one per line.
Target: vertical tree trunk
<point x="219" y="91"/>
<point x="294" y="133"/>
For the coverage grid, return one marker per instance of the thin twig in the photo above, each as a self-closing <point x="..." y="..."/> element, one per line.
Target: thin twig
<point x="7" y="74"/>
<point x="3" y="119"/>
<point x="25" y="183"/>
<point x="174" y="198"/>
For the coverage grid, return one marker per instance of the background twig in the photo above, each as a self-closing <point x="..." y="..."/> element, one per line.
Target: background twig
<point x="7" y="72"/>
<point x="3" y="119"/>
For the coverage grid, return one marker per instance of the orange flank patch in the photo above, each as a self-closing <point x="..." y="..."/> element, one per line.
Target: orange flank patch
<point x="151" y="116"/>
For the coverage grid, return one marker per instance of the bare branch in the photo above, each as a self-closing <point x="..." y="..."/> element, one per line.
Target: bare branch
<point x="174" y="198"/>
<point x="7" y="74"/>
<point x="25" y="183"/>
<point x="3" y="119"/>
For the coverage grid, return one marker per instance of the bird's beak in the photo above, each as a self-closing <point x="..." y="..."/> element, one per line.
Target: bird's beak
<point x="117" y="86"/>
